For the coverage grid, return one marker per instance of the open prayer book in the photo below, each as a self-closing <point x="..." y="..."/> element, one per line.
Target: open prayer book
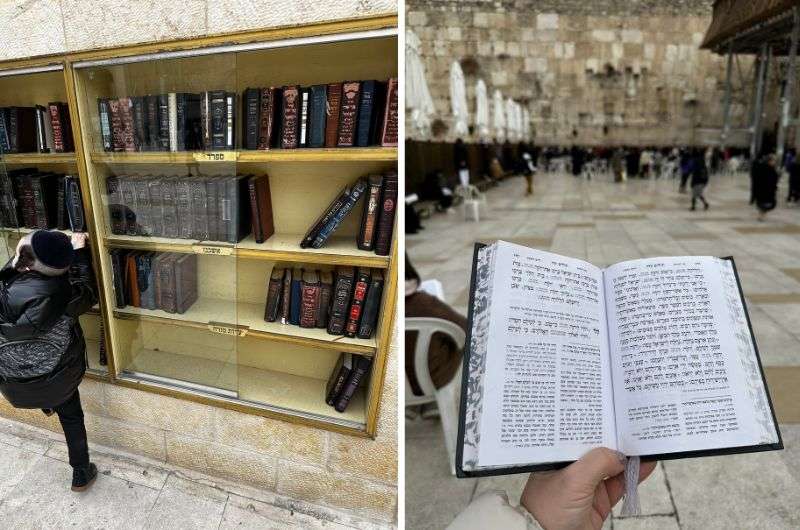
<point x="652" y="357"/>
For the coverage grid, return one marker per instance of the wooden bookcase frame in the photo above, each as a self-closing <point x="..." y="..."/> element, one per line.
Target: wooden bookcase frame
<point x="281" y="252"/>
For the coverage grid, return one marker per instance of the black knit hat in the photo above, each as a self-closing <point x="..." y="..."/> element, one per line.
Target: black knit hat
<point x="52" y="248"/>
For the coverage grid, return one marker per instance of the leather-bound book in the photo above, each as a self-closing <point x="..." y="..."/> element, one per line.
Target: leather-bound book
<point x="361" y="366"/>
<point x="158" y="271"/>
<point x="163" y="122"/>
<point x="296" y="296"/>
<point x="274" y="290"/>
<point x="74" y="204"/>
<point x="144" y="280"/>
<point x="325" y="294"/>
<point x="117" y="139"/>
<point x="357" y="303"/>
<point x="376" y="120"/>
<point x="366" y="110"/>
<point x="45" y="195"/>
<point x="339" y="375"/>
<point x="235" y="215"/>
<point x="61" y="212"/>
<point x="143" y="214"/>
<point x="131" y="279"/>
<point x="268" y="117"/>
<point x="166" y="295"/>
<point x="188" y="121"/>
<point x="27" y="203"/>
<point x="218" y="109"/>
<point x="286" y="297"/>
<point x="355" y="193"/>
<point x="126" y="119"/>
<point x="199" y="193"/>
<point x="372" y="306"/>
<point x="129" y="207"/>
<point x="261" y="208"/>
<point x="140" y="130"/>
<point x="213" y="208"/>
<point x="383" y="239"/>
<point x="340" y="304"/>
<point x="230" y="121"/>
<point x="369" y="218"/>
<point x="390" y="115"/>
<point x="116" y="212"/>
<point x="304" y="115"/>
<point x="155" y="193"/>
<point x="183" y="197"/>
<point x="66" y="128"/>
<point x="25" y="128"/>
<point x="309" y="299"/>
<point x="251" y="105"/>
<point x="54" y="112"/>
<point x="169" y="207"/>
<point x="317" y="115"/>
<point x="8" y="203"/>
<point x="291" y="118"/>
<point x="332" y="209"/>
<point x="5" y="144"/>
<point x="153" y="123"/>
<point x="348" y="115"/>
<point x="332" y="114"/>
<point x="118" y="263"/>
<point x="185" y="282"/>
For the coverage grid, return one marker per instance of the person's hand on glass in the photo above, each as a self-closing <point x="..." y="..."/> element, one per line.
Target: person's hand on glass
<point x="79" y="240"/>
<point x="581" y="495"/>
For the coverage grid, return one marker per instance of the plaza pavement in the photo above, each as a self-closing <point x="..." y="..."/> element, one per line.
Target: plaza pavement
<point x="604" y="223"/>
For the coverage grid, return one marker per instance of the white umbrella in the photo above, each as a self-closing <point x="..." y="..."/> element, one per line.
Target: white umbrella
<point x="481" y="110"/>
<point x="499" y="123"/>
<point x="418" y="97"/>
<point x="526" y="124"/>
<point x="511" y="120"/>
<point x="458" y="100"/>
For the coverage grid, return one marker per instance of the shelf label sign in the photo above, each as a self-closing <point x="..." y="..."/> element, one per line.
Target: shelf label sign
<point x="212" y="250"/>
<point x="217" y="156"/>
<point x="228" y="329"/>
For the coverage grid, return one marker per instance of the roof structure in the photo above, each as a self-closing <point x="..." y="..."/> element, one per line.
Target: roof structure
<point x="749" y="24"/>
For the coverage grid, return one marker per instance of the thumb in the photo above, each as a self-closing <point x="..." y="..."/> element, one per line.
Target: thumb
<point x="597" y="465"/>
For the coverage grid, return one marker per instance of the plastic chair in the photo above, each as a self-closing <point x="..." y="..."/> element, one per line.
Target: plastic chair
<point x="447" y="397"/>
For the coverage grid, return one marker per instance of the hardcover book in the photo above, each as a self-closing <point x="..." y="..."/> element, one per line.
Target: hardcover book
<point x="369" y="217"/>
<point x="303" y="117"/>
<point x="333" y="109"/>
<point x="274" y="289"/>
<point x="389" y="133"/>
<point x="348" y="115"/>
<point x="361" y="366"/>
<point x="286" y="297"/>
<point x="290" y="121"/>
<point x="271" y="107"/>
<point x="357" y="303"/>
<point x="261" y="208"/>
<point x="127" y="137"/>
<point x="342" y="293"/>
<point x="318" y="115"/>
<point x="327" y="230"/>
<point x="251" y="104"/>
<point x="383" y="238"/>
<point x="217" y="112"/>
<point x="366" y="111"/>
<point x="328" y="214"/>
<point x="325" y="293"/>
<point x="341" y="371"/>
<point x="372" y="306"/>
<point x="296" y="293"/>
<point x="309" y="299"/>
<point x="653" y="357"/>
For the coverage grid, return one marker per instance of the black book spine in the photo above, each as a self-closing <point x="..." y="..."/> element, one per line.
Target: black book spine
<point x="251" y="104"/>
<point x="105" y="124"/>
<point x="218" y="119"/>
<point x="163" y="122"/>
<point x="141" y="133"/>
<point x="319" y="113"/>
<point x="372" y="305"/>
<point x="152" y="122"/>
<point x="361" y="366"/>
<point x="180" y="111"/>
<point x="365" y="110"/>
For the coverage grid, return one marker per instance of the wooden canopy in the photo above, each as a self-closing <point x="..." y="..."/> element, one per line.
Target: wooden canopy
<point x="750" y="23"/>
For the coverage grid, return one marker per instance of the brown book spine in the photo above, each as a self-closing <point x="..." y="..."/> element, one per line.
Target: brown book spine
<point x="185" y="282"/>
<point x="274" y="289"/>
<point x="266" y="112"/>
<point x="390" y="115"/>
<point x="348" y="114"/>
<point x="58" y="131"/>
<point x="126" y="118"/>
<point x="383" y="238"/>
<point x="357" y="304"/>
<point x="324" y="305"/>
<point x="369" y="219"/>
<point x="334" y="107"/>
<point x="309" y="298"/>
<point x="361" y="366"/>
<point x="286" y="298"/>
<point x="341" y="300"/>
<point x="372" y="306"/>
<point x="117" y="133"/>
<point x="338" y="377"/>
<point x="132" y="276"/>
<point x="291" y="105"/>
<point x="167" y="285"/>
<point x="255" y="217"/>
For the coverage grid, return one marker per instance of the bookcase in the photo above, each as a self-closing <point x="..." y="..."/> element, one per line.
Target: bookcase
<point x="38" y="86"/>
<point x="219" y="349"/>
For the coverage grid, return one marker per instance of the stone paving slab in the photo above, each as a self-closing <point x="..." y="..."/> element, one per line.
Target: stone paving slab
<point x="186" y="504"/>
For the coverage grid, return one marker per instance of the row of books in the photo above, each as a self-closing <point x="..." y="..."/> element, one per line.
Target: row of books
<point x="220" y="208"/>
<point x="347" y="376"/>
<point x="154" y="280"/>
<point x="36" y="129"/>
<point x="30" y="198"/>
<point x="377" y="219"/>
<point x="354" y="113"/>
<point x="346" y="303"/>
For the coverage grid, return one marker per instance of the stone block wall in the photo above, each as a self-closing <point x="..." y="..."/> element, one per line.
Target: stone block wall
<point x="613" y="71"/>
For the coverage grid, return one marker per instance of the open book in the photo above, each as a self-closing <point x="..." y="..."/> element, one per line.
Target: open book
<point x="652" y="357"/>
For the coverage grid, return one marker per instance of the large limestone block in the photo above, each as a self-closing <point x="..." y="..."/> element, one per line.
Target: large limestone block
<point x="31" y="28"/>
<point x="128" y="436"/>
<point x="314" y="484"/>
<point x="546" y="21"/>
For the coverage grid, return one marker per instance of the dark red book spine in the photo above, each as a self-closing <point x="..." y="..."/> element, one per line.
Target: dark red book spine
<point x="383" y="238"/>
<point x="357" y="304"/>
<point x="390" y="115"/>
<point x="291" y="104"/>
<point x="334" y="106"/>
<point x="58" y="132"/>
<point x="348" y="114"/>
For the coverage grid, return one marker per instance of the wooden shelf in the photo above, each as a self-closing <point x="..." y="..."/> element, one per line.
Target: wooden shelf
<point x="279" y="391"/>
<point x="341" y="154"/>
<point x="29" y="230"/>
<point x="38" y="158"/>
<point x="251" y="317"/>
<point x="339" y="250"/>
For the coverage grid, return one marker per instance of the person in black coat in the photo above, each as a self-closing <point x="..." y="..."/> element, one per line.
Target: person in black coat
<point x="43" y="290"/>
<point x="794" y="180"/>
<point x="699" y="179"/>
<point x="765" y="186"/>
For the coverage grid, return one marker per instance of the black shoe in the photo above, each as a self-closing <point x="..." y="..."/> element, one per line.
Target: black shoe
<point x="83" y="477"/>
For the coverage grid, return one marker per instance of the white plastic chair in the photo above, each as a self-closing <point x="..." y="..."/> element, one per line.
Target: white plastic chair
<point x="446" y="398"/>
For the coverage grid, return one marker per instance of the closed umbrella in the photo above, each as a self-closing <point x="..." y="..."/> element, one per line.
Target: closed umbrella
<point x="499" y="116"/>
<point x="458" y="100"/>
<point x="418" y="97"/>
<point x="481" y="110"/>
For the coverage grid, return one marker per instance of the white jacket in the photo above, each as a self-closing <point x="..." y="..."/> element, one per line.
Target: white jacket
<point x="492" y="510"/>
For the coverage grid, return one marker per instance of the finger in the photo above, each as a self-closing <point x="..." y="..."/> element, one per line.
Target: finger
<point x="595" y="466"/>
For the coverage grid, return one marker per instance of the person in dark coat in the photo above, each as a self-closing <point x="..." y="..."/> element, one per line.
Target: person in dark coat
<point x="43" y="290"/>
<point x="699" y="174"/>
<point x="794" y="180"/>
<point x="578" y="156"/>
<point x="765" y="186"/>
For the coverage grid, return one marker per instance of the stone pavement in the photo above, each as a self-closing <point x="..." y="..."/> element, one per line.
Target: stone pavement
<point x="133" y="492"/>
<point x="603" y="223"/>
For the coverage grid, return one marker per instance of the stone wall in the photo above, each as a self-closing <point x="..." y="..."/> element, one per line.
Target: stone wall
<point x="611" y="71"/>
<point x="309" y="464"/>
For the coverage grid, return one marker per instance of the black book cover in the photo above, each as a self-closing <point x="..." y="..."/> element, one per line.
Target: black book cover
<point x="372" y="306"/>
<point x="319" y="114"/>
<point x="141" y="133"/>
<point x="152" y="123"/>
<point x="366" y="109"/>
<point x="163" y="122"/>
<point x="61" y="216"/>
<point x="217" y="118"/>
<point x="251" y="105"/>
<point x="74" y="204"/>
<point x="105" y="124"/>
<point x="119" y="258"/>
<point x="156" y="206"/>
<point x="361" y="366"/>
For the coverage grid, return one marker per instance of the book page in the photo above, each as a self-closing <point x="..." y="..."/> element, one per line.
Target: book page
<point x="546" y="386"/>
<point x="686" y="376"/>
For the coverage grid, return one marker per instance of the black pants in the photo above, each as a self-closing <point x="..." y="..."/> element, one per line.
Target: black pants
<point x="70" y="414"/>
